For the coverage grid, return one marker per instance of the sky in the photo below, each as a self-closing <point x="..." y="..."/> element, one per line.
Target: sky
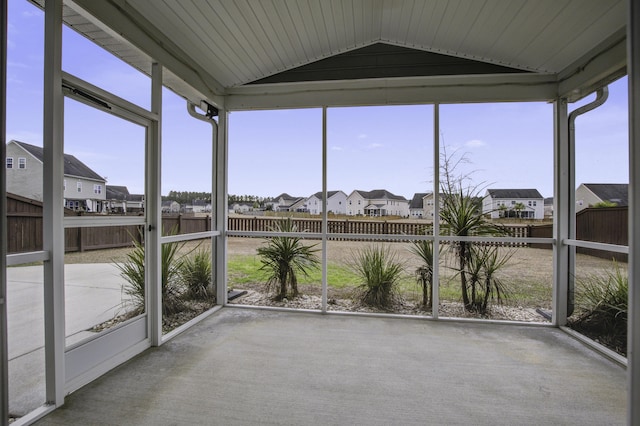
<point x="505" y="145"/>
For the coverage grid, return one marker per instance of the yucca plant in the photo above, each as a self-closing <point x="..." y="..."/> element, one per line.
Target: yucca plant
<point x="284" y="257"/>
<point x="423" y="249"/>
<point x="195" y="275"/>
<point x="133" y="271"/>
<point x="461" y="216"/>
<point x="483" y="264"/>
<point x="379" y="268"/>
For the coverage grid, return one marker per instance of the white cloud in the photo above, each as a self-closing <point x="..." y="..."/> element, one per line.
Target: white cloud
<point x="13" y="64"/>
<point x="363" y="136"/>
<point x="337" y="148"/>
<point x="374" y="145"/>
<point x="474" y="143"/>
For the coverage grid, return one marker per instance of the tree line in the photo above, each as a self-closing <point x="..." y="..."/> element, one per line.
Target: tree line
<point x="185" y="197"/>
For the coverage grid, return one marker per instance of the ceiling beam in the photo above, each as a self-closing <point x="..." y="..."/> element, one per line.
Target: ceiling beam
<point x="402" y="91"/>
<point x="128" y="23"/>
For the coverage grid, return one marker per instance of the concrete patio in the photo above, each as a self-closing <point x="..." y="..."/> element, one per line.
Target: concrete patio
<point x="93" y="295"/>
<point x="248" y="366"/>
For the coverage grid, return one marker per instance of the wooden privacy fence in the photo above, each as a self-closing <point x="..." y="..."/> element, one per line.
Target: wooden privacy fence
<point x="181" y="224"/>
<point x="346" y="226"/>
<point x="24" y="222"/>
<point x="601" y="225"/>
<point x="350" y="226"/>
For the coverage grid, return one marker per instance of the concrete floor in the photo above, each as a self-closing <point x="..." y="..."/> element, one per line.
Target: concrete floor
<point x="249" y="366"/>
<point x="93" y="295"/>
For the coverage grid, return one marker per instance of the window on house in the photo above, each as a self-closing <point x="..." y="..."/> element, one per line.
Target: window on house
<point x="534" y="204"/>
<point x="97" y="189"/>
<point x="358" y="202"/>
<point x="79" y="186"/>
<point x="9" y="162"/>
<point x="64" y="184"/>
<point x="513" y="203"/>
<point x="22" y="163"/>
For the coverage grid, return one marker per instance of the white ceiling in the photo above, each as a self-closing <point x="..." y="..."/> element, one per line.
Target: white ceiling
<point x="218" y="46"/>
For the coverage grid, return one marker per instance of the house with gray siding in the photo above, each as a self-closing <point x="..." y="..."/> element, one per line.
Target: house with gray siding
<point x="119" y="200"/>
<point x="286" y="203"/>
<point x="84" y="189"/>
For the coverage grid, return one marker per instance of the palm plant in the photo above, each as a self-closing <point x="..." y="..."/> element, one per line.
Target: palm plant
<point x="380" y="271"/>
<point x="283" y="257"/>
<point x="424" y="273"/>
<point x="519" y="207"/>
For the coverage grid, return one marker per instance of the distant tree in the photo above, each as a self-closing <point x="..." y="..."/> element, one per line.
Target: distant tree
<point x="518" y="208"/>
<point x="185" y="197"/>
<point x="502" y="210"/>
<point x="605" y="204"/>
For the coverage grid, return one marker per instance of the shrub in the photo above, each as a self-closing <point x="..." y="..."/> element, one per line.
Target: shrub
<point x="379" y="270"/>
<point x="133" y="271"/>
<point x="602" y="301"/>
<point x="283" y="257"/>
<point x="195" y="275"/>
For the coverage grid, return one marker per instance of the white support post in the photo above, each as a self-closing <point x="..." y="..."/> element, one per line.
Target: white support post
<point x="153" y="231"/>
<point x="4" y="351"/>
<point x="435" y="293"/>
<point x="221" y="210"/>
<point x="633" y="343"/>
<point x="53" y="208"/>
<point x="563" y="175"/>
<point x="325" y="220"/>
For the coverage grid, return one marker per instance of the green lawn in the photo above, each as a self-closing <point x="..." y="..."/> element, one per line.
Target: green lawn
<point x="524" y="290"/>
<point x="245" y="269"/>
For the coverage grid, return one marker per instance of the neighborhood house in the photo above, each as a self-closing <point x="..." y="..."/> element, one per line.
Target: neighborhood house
<point x="378" y="202"/>
<point x="514" y="203"/>
<point x="590" y="194"/>
<point x="336" y="203"/>
<point x="119" y="200"/>
<point x="84" y="189"/>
